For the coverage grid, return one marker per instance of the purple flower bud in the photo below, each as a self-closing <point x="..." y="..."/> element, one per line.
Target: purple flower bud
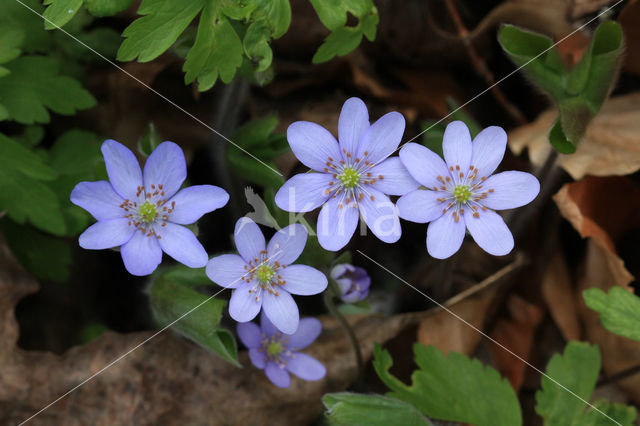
<point x="353" y="281"/>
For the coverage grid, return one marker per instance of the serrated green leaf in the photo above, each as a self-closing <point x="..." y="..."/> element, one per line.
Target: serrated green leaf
<point x="453" y="388"/>
<point x="256" y="44"/>
<point x="14" y="14"/>
<point x="170" y="301"/>
<point x="278" y="15"/>
<point x="31" y="136"/>
<point x="101" y="8"/>
<point x="17" y="157"/>
<point x="184" y="275"/>
<point x="621" y="413"/>
<point x="34" y="86"/>
<point x="217" y="51"/>
<point x="559" y="141"/>
<point x="11" y="38"/>
<point x="331" y="13"/>
<point x="59" y="12"/>
<point x="370" y="25"/>
<point x="159" y="27"/>
<point x="619" y="310"/>
<point x="355" y="409"/>
<point x="239" y="9"/>
<point x="338" y="43"/>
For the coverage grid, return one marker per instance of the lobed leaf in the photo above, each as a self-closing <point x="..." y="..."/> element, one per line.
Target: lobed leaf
<point x="619" y="310"/>
<point x="346" y="408"/>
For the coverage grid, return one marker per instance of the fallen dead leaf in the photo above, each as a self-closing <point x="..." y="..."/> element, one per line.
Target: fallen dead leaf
<point x="579" y="8"/>
<point x="559" y="296"/>
<point x="611" y="145"/>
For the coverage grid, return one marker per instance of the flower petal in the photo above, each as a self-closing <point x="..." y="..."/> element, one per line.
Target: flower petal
<point x="312" y="144"/>
<point x="303" y="280"/>
<point x="181" y="244"/>
<point x="353" y="122"/>
<point x="227" y="270"/>
<point x="123" y="169"/>
<point x="99" y="199"/>
<point x="304" y="192"/>
<point x="421" y="206"/>
<point x="308" y="331"/>
<point x="249" y="239"/>
<point x="423" y="164"/>
<point x="380" y="215"/>
<point x="287" y="244"/>
<point x="195" y="201"/>
<point x="510" y="190"/>
<point x="267" y="326"/>
<point x="445" y="235"/>
<point x="165" y="166"/>
<point x="243" y="305"/>
<point x="106" y="234"/>
<point x="278" y="376"/>
<point x="141" y="254"/>
<point x="249" y="334"/>
<point x="281" y="310"/>
<point x="257" y="358"/>
<point x="382" y="138"/>
<point x="456" y="145"/>
<point x="336" y="225"/>
<point x="490" y="232"/>
<point x="393" y="178"/>
<point x="488" y="150"/>
<point x="306" y="367"/>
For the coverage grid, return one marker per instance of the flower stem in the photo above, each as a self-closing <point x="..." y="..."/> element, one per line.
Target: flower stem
<point x="329" y="295"/>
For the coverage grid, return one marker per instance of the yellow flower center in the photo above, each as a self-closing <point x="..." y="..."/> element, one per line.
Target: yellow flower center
<point x="265" y="273"/>
<point x="147" y="212"/>
<point x="349" y="177"/>
<point x="274" y="349"/>
<point x="462" y="193"/>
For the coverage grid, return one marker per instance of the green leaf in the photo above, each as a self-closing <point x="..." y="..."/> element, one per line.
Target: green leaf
<point x="14" y="14"/>
<point x="192" y="277"/>
<point x="46" y="257"/>
<point x="623" y="414"/>
<point x="149" y="141"/>
<point x="11" y="39"/>
<point x="370" y="25"/>
<point x="256" y="44"/>
<point x="161" y="24"/>
<point x="91" y="332"/>
<point x="453" y="388"/>
<point x="31" y="136"/>
<point x="355" y="409"/>
<point x="171" y="300"/>
<point x="35" y="86"/>
<point x="559" y="141"/>
<point x="217" y="51"/>
<point x="278" y="15"/>
<point x="330" y="12"/>
<point x="606" y="50"/>
<point x="101" y="8"/>
<point x="248" y="168"/>
<point x="19" y="158"/>
<point x="338" y="43"/>
<point x="59" y="12"/>
<point x="619" y="310"/>
<point x="574" y="118"/>
<point x="256" y="132"/>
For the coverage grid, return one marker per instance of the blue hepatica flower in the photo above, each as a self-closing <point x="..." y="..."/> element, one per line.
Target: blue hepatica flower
<point x="277" y="354"/>
<point x="142" y="213"/>
<point x="460" y="193"/>
<point x="263" y="275"/>
<point x="353" y="176"/>
<point x="354" y="282"/>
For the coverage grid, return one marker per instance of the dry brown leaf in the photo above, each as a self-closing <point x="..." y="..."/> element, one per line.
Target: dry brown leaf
<point x="558" y="293"/>
<point x="517" y="333"/>
<point x="580" y="8"/>
<point x="611" y="145"/>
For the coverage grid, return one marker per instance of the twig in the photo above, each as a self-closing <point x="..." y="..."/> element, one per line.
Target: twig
<point x="619" y="376"/>
<point x="481" y="67"/>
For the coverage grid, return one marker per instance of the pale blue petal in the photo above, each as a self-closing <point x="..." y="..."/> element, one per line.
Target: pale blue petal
<point x="249" y="334"/>
<point x="382" y="138"/>
<point x="227" y="270"/>
<point x="392" y="177"/>
<point x="424" y="165"/>
<point x="304" y="192"/>
<point x="421" y="206"/>
<point x="165" y="166"/>
<point x="287" y="244"/>
<point x="278" y="376"/>
<point x="281" y="310"/>
<point x="249" y="239"/>
<point x="336" y="224"/>
<point x="303" y="280"/>
<point x="99" y="199"/>
<point x="445" y="235"/>
<point x="181" y="244"/>
<point x="380" y="215"/>
<point x="142" y="254"/>
<point x="488" y="150"/>
<point x="193" y="202"/>
<point x="353" y="123"/>
<point x="243" y="305"/>
<point x="306" y="367"/>
<point x="313" y="145"/>
<point x="123" y="169"/>
<point x="106" y="234"/>
<point x="257" y="358"/>
<point x="508" y="190"/>
<point x="308" y="331"/>
<point x="267" y="326"/>
<point x="490" y="232"/>
<point x="456" y="145"/>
